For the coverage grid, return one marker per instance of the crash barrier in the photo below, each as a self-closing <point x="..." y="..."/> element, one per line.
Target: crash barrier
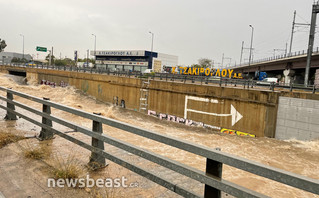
<point x="187" y="79"/>
<point x="215" y="158"/>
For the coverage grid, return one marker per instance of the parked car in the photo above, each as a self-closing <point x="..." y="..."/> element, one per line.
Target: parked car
<point x="268" y="81"/>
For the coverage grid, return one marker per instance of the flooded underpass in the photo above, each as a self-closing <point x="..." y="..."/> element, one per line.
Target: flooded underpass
<point x="295" y="156"/>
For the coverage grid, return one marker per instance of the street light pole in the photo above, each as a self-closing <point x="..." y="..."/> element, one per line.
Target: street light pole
<point x="251" y="43"/>
<point x="94" y="44"/>
<point x="22" y="45"/>
<point x="152" y="48"/>
<point x="152" y="40"/>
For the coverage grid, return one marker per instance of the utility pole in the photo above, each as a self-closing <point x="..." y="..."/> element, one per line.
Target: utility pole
<point x="94" y="44"/>
<point x="222" y="60"/>
<point x="50" y="57"/>
<point x="152" y="48"/>
<point x="22" y="45"/>
<point x="241" y="53"/>
<point x="292" y="32"/>
<point x="251" y="43"/>
<point x="315" y="10"/>
<point x="87" y="58"/>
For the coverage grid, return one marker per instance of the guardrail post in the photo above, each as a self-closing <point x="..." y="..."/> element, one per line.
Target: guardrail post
<point x="314" y="89"/>
<point x="213" y="168"/>
<point x="97" y="161"/>
<point x="46" y="134"/>
<point x="291" y="86"/>
<point x="10" y="116"/>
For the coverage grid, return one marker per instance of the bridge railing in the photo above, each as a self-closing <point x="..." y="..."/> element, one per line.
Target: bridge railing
<point x="193" y="79"/>
<point x="278" y="57"/>
<point x="215" y="158"/>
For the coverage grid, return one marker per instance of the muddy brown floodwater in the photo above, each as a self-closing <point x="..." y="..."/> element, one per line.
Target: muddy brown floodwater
<point x="292" y="155"/>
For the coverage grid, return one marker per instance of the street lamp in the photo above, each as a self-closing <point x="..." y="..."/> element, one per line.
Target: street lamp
<point x="152" y="40"/>
<point x="94" y="43"/>
<point x="22" y="45"/>
<point x="152" y="48"/>
<point x="251" y="43"/>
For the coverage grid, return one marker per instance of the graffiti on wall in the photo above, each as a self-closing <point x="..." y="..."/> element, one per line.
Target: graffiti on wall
<point x="53" y="84"/>
<point x="234" y="132"/>
<point x="172" y="118"/>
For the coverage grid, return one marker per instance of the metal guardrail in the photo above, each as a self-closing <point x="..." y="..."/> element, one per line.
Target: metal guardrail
<point x="222" y="81"/>
<point x="215" y="158"/>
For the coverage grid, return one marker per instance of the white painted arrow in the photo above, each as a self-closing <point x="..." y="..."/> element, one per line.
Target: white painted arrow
<point x="236" y="116"/>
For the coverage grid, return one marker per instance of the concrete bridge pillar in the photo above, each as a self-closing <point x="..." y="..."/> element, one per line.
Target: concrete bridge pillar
<point x="288" y="73"/>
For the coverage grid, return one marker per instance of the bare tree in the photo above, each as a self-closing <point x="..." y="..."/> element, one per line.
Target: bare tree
<point x="205" y="62"/>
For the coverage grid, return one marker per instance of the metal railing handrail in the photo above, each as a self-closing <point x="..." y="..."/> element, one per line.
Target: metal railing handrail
<point x="277" y="57"/>
<point x="279" y="175"/>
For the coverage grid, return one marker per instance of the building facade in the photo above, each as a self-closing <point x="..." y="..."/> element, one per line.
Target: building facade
<point x="133" y="60"/>
<point x="6" y="57"/>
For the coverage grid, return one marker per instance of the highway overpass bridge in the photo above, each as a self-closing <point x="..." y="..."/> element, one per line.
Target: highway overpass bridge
<point x="294" y="66"/>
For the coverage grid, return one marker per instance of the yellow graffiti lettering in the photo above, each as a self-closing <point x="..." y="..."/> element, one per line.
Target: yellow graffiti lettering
<point x="173" y="70"/>
<point x="217" y="72"/>
<point x="180" y="70"/>
<point x="185" y="68"/>
<point x="194" y="71"/>
<point x="239" y="75"/>
<point x="207" y="71"/>
<point x="202" y="70"/>
<point x="235" y="75"/>
<point x="230" y="71"/>
<point x="224" y="73"/>
<point x="234" y="132"/>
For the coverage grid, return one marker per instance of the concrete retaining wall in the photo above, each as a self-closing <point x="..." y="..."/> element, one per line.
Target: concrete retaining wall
<point x="297" y="118"/>
<point x="249" y="111"/>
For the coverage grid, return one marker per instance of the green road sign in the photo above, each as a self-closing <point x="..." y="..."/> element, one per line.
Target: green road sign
<point x="41" y="49"/>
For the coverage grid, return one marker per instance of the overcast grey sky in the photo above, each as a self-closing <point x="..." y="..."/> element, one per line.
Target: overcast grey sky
<point x="186" y="28"/>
